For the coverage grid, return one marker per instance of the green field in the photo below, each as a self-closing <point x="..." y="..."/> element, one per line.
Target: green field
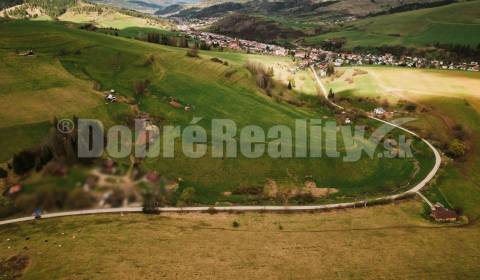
<point x="67" y="76"/>
<point x="457" y="23"/>
<point x="111" y="18"/>
<point x="59" y="81"/>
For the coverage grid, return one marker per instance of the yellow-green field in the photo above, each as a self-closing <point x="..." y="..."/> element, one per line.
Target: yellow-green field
<point x="386" y="242"/>
<point x="31" y="98"/>
<point x="447" y="99"/>
<point x="110" y="18"/>
<point x="403" y="83"/>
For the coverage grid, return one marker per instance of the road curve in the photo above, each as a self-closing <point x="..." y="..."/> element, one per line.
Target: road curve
<point x="361" y="203"/>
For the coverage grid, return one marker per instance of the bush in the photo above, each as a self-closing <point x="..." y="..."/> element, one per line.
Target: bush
<point x="330" y="69"/>
<point x="255" y="190"/>
<point x="141" y="87"/>
<point x="193" y="52"/>
<point x="456" y="149"/>
<point x="116" y="198"/>
<point x="7" y="207"/>
<point x="331" y="94"/>
<point x="212" y="211"/>
<point x="217" y="60"/>
<point x="186" y="196"/>
<point x="153" y="198"/>
<point x="3" y="173"/>
<point x="44" y="198"/>
<point x="153" y="37"/>
<point x="150" y="60"/>
<point x="23" y="162"/>
<point x="459" y="132"/>
<point x="263" y="75"/>
<point x="411" y="107"/>
<point x="235" y="224"/>
<point x="149" y="204"/>
<point x="80" y="199"/>
<point x="230" y="72"/>
<point x="304" y="198"/>
<point x="62" y="52"/>
<point x="458" y="210"/>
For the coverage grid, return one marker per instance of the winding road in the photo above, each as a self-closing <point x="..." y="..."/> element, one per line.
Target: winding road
<point x="415" y="190"/>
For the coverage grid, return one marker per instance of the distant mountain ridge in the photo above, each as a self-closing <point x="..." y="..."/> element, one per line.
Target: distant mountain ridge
<point x="9" y="3"/>
<point x="146" y="4"/>
<point x="311" y="8"/>
<point x="170" y="9"/>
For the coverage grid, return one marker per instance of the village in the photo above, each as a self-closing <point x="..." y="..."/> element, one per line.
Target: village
<point x="307" y="56"/>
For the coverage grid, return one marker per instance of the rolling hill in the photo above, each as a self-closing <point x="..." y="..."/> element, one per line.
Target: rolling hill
<point x="78" y="59"/>
<point x="83" y="12"/>
<point x="297" y="19"/>
<point x="457" y="23"/>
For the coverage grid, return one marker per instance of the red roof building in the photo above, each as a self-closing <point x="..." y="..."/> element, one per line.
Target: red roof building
<point x="443" y="215"/>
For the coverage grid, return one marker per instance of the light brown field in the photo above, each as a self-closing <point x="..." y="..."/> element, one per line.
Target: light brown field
<point x="386" y="242"/>
<point x="410" y="84"/>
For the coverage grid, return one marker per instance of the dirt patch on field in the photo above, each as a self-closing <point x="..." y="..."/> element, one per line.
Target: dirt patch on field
<point x="272" y="190"/>
<point x="357" y="72"/>
<point x="13" y="267"/>
<point x="311" y="187"/>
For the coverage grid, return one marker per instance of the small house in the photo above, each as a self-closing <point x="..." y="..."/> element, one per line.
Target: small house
<point x="443" y="215"/>
<point x="27" y="53"/>
<point x="110" y="98"/>
<point x="152" y="176"/>
<point x="379" y="111"/>
<point x="175" y="104"/>
<point x="14" y="189"/>
<point x="300" y="54"/>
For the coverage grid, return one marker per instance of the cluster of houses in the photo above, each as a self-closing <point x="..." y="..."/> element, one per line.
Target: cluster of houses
<point x="226" y="42"/>
<point x="342" y="59"/>
<point x="318" y="57"/>
<point x="314" y="56"/>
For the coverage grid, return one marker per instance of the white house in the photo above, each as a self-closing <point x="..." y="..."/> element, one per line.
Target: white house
<point x="379" y="111"/>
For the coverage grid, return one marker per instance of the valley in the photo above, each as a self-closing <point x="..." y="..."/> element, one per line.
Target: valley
<point x="311" y="178"/>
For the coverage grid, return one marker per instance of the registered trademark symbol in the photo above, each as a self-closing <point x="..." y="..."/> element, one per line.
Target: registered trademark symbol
<point x="65" y="126"/>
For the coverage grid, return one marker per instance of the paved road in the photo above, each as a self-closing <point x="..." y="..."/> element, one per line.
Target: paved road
<point x="361" y="203"/>
<point x="438" y="158"/>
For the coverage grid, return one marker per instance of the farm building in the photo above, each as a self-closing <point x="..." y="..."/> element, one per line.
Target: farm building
<point x="175" y="104"/>
<point x="15" y="189"/>
<point x="379" y="111"/>
<point x="443" y="215"/>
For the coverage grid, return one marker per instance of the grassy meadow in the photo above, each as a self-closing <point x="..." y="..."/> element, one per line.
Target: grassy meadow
<point x="382" y="242"/>
<point x="457" y="23"/>
<point x="71" y="68"/>
<point x="67" y="76"/>
<point x="448" y="99"/>
<point x="111" y="18"/>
